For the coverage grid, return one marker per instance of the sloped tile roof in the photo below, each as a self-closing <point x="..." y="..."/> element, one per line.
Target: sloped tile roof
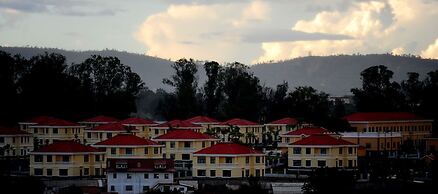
<point x="127" y="139"/>
<point x="228" y="149"/>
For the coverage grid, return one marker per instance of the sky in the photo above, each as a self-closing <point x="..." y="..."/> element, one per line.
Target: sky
<point x="248" y="31"/>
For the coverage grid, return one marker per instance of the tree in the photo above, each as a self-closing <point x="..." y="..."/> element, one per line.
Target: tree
<point x="185" y="83"/>
<point x="329" y="180"/>
<point x="279" y="103"/>
<point x="213" y="88"/>
<point x="378" y="92"/>
<point x="110" y="85"/>
<point x="308" y="103"/>
<point x="413" y="90"/>
<point x="235" y="133"/>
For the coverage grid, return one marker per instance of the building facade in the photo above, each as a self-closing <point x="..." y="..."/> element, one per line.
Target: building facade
<point x="204" y="121"/>
<point x="250" y="132"/>
<point x="281" y="126"/>
<point x="141" y="125"/>
<point x="298" y="134"/>
<point x="375" y="143"/>
<point x="15" y="142"/>
<point x="106" y="131"/>
<point x="67" y="159"/>
<point x="130" y="146"/>
<point x="228" y="160"/>
<point x="97" y="121"/>
<point x="163" y="128"/>
<point x="138" y="175"/>
<point x="322" y="150"/>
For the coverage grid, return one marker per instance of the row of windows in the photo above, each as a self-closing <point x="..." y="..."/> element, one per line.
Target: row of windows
<point x="67" y="158"/>
<point x="4" y="152"/>
<point x="129" y="188"/>
<point x="323" y="151"/>
<point x="14" y="139"/>
<point x="130" y="151"/>
<point x="64" y="172"/>
<point x="399" y="128"/>
<point x="145" y="176"/>
<point x="56" y="130"/>
<point x="227" y="173"/>
<point x="323" y="163"/>
<point x="228" y="160"/>
<point x="187" y="144"/>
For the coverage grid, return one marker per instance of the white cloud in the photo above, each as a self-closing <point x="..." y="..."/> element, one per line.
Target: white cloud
<point x="398" y="51"/>
<point x="257" y="11"/>
<point x="431" y="51"/>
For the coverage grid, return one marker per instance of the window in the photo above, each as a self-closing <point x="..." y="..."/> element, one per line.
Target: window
<point x="257" y="171"/>
<point x="146" y="151"/>
<point x="166" y="176"/>
<point x="321" y="163"/>
<point x="97" y="171"/>
<point x="97" y="158"/>
<point x="55" y="130"/>
<point x="368" y="145"/>
<point x="201" y="159"/>
<point x="63" y="172"/>
<point x="49" y="172"/>
<point x="257" y="159"/>
<point x="38" y="171"/>
<point x="157" y="132"/>
<point x="2" y="139"/>
<point x="340" y="163"/>
<point x="66" y="158"/>
<point x="212" y="173"/>
<point x="201" y="172"/>
<point x="323" y="151"/>
<point x="247" y="173"/>
<point x="156" y="176"/>
<point x="226" y="173"/>
<point x="172" y="156"/>
<point x="296" y="163"/>
<point x="86" y="158"/>
<point x="350" y="163"/>
<point x="308" y="163"/>
<point x="113" y="151"/>
<point x="340" y="150"/>
<point x="128" y="188"/>
<point x="89" y="135"/>
<point x="350" y="150"/>
<point x="212" y="160"/>
<point x="112" y="188"/>
<point x="145" y="188"/>
<point x="247" y="160"/>
<point x="187" y="144"/>
<point x="172" y="144"/>
<point x="203" y="144"/>
<point x="109" y="135"/>
<point x="297" y="150"/>
<point x="308" y="151"/>
<point x="128" y="151"/>
<point x="156" y="151"/>
<point x="38" y="158"/>
<point x="49" y="158"/>
<point x="146" y="176"/>
<point x="128" y="176"/>
<point x="86" y="171"/>
<point x="186" y="156"/>
<point x="228" y="160"/>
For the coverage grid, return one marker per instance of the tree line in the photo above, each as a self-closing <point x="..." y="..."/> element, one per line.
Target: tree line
<point x="46" y="85"/>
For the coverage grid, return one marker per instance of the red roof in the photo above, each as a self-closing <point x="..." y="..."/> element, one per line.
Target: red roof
<point x="307" y="131"/>
<point x="228" y="149"/>
<point x="238" y="122"/>
<point x="127" y="139"/>
<point x="137" y="121"/>
<point x="66" y="146"/>
<point x="382" y="116"/>
<point x="141" y="165"/>
<point x="179" y="124"/>
<point x="101" y="119"/>
<point x="12" y="131"/>
<point x="285" y="121"/>
<point x="202" y="119"/>
<point x="322" y="139"/>
<point x="183" y="134"/>
<point x="110" y="127"/>
<point x="50" y="121"/>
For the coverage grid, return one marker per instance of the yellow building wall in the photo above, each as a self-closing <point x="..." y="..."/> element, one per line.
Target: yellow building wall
<point x="137" y="152"/>
<point x="178" y="150"/>
<point x="331" y="157"/>
<point x="20" y="145"/>
<point x="237" y="166"/>
<point x="48" y="134"/>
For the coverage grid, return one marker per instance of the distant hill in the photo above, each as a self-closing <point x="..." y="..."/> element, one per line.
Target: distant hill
<point x="335" y="75"/>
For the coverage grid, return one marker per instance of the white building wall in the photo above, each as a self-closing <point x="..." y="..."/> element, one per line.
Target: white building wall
<point x="137" y="181"/>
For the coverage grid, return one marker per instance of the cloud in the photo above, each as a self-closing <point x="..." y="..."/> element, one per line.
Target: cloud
<point x="280" y="35"/>
<point x="8" y="17"/>
<point x="431" y="51"/>
<point x="257" y="11"/>
<point x="398" y="26"/>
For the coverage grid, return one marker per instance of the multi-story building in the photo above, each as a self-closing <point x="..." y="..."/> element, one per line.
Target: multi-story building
<point x="138" y="175"/>
<point x="47" y="129"/>
<point x="413" y="128"/>
<point x="142" y="125"/>
<point x="204" y="121"/>
<point x="322" y="150"/>
<point x="375" y="143"/>
<point x="97" y="121"/>
<point x="282" y="126"/>
<point x="228" y="160"/>
<point x="293" y="136"/>
<point x="180" y="144"/>
<point x="15" y="142"/>
<point x="130" y="146"/>
<point x="251" y="132"/>
<point x="67" y="159"/>
<point x="106" y="131"/>
<point x="163" y="128"/>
